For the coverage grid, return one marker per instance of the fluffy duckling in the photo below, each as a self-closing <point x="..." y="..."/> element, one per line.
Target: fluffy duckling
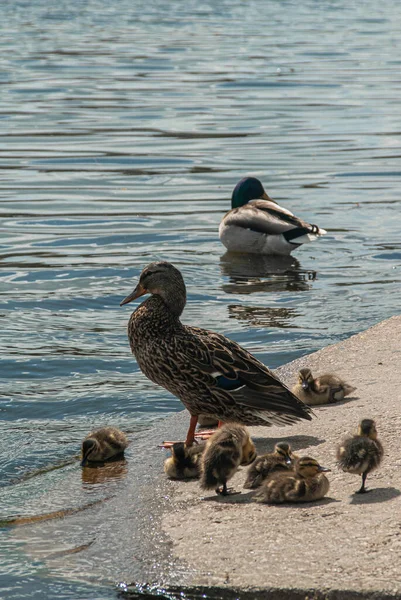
<point x="361" y="453"/>
<point x="325" y="389"/>
<point x="257" y="224"/>
<point x="184" y="463"/>
<point x="306" y="484"/>
<point x="227" y="449"/>
<point x="102" y="444"/>
<point x="279" y="460"/>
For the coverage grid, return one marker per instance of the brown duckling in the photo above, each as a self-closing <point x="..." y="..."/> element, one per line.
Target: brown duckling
<point x="361" y="453"/>
<point x="305" y="484"/>
<point x="280" y="460"/>
<point x="102" y="444"/>
<point x="184" y="463"/>
<point x="324" y="389"/>
<point x="227" y="449"/>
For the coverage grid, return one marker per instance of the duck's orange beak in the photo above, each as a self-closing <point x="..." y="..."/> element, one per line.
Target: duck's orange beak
<point x="138" y="291"/>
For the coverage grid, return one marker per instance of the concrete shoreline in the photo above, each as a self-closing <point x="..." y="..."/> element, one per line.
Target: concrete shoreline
<point x="173" y="535"/>
<point x="344" y="543"/>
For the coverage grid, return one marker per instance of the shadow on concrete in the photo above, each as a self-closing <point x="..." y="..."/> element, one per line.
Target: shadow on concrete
<point x="236" y="497"/>
<point x="376" y="495"/>
<point x="248" y="498"/>
<point x="298" y="442"/>
<point x="146" y="591"/>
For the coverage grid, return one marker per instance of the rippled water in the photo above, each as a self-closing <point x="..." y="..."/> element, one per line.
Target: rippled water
<point x="123" y="128"/>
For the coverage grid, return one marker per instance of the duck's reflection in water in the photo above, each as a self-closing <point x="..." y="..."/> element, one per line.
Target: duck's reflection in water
<point x="250" y="273"/>
<point x="110" y="470"/>
<point x="259" y="316"/>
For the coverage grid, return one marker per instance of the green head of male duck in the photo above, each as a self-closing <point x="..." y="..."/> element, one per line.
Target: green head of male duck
<point x="246" y="190"/>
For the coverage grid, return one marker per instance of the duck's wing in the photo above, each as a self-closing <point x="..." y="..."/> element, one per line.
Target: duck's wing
<point x="245" y="379"/>
<point x="263" y="216"/>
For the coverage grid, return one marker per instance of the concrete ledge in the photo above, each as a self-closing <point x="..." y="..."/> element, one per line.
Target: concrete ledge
<point x="342" y="543"/>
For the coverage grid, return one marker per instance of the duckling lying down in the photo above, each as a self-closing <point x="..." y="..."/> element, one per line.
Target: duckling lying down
<point x="281" y="459"/>
<point x="184" y="463"/>
<point x="306" y="484"/>
<point x="361" y="453"/>
<point x="102" y="444"/>
<point x="227" y="449"/>
<point x="325" y="389"/>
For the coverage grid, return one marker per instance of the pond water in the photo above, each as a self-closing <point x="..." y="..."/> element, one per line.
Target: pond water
<point x="124" y="127"/>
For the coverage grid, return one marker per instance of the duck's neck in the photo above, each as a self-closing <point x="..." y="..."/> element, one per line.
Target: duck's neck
<point x="174" y="299"/>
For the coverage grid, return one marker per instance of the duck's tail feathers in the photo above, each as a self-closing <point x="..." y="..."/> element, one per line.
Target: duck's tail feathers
<point x="348" y="389"/>
<point x="304" y="235"/>
<point x="274" y="403"/>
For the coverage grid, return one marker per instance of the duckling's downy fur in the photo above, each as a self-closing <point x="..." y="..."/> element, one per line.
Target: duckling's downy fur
<point x="281" y="459"/>
<point x="306" y="484"/>
<point x="102" y="444"/>
<point x="184" y="463"/>
<point x="225" y="451"/>
<point x="325" y="389"/>
<point x="361" y="453"/>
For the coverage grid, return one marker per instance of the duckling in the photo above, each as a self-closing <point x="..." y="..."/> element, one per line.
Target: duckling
<point x="102" y="444"/>
<point x="361" y="453"/>
<point x="280" y="460"/>
<point x="306" y="484"/>
<point x="227" y="449"/>
<point x="325" y="389"/>
<point x="184" y="463"/>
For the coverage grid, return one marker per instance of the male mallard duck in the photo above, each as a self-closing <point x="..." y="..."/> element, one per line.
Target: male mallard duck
<point x="306" y="484"/>
<point x="361" y="453"/>
<point x="325" y="389"/>
<point x="258" y="225"/>
<point x="281" y="459"/>
<point x="208" y="372"/>
<point x="102" y="444"/>
<point x="227" y="449"/>
<point x="184" y="463"/>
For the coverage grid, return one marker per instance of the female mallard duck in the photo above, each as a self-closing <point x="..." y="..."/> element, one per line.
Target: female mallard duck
<point x="361" y="453"/>
<point x="208" y="372"/>
<point x="257" y="224"/>
<point x="227" y="449"/>
<point x="306" y="484"/>
<point x="102" y="444"/>
<point x="325" y="389"/>
<point x="184" y="463"/>
<point x="282" y="459"/>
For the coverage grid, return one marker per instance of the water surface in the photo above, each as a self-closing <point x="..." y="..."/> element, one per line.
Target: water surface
<point x="123" y="128"/>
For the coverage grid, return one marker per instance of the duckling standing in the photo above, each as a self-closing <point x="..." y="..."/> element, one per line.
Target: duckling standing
<point x="361" y="453"/>
<point x="306" y="484"/>
<point x="257" y="224"/>
<point x="227" y="449"/>
<point x="208" y="372"/>
<point x="184" y="463"/>
<point x="280" y="460"/>
<point x="325" y="389"/>
<point x="102" y="444"/>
